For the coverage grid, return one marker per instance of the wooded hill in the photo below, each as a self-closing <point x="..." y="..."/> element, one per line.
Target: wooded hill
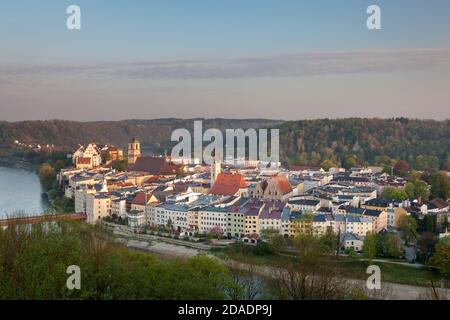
<point x="424" y="144"/>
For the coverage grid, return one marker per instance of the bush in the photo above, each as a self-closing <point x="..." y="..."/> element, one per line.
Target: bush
<point x="263" y="249"/>
<point x="33" y="265"/>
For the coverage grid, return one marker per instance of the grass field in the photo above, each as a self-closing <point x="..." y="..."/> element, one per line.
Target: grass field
<point x="351" y="268"/>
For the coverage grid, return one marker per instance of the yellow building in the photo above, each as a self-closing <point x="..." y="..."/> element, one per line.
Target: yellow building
<point x="301" y="223"/>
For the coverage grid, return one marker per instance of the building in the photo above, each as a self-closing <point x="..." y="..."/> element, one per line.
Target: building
<point x="84" y="163"/>
<point x="322" y="224"/>
<point x="270" y="216"/>
<point x="359" y="226"/>
<point x="87" y="158"/>
<point x="113" y="154"/>
<point x="216" y="169"/>
<point x="156" y="166"/>
<point x="214" y="218"/>
<point x="141" y="200"/>
<point x="379" y="219"/>
<point x="230" y="184"/>
<point x="118" y="207"/>
<point x="353" y="242"/>
<point x="394" y="215"/>
<point x="98" y="206"/>
<point x="94" y="153"/>
<point x="251" y="213"/>
<point x="171" y="216"/>
<point x="276" y="188"/>
<point x="304" y="205"/>
<point x="236" y="223"/>
<point x="300" y="224"/>
<point x="134" y="151"/>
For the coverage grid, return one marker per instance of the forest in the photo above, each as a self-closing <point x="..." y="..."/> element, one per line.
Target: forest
<point x="423" y="144"/>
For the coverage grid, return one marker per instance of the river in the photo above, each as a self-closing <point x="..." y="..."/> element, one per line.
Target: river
<point x="20" y="191"/>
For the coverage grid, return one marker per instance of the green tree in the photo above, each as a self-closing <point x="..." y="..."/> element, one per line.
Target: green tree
<point x="394" y="193"/>
<point x="328" y="242"/>
<point x="370" y="246"/>
<point x="441" y="257"/>
<point x="350" y="162"/>
<point x="328" y="164"/>
<point x="47" y="176"/>
<point x="408" y="228"/>
<point x="119" y="165"/>
<point x="418" y="189"/>
<point x="392" y="245"/>
<point x="440" y="185"/>
<point x="426" y="246"/>
<point x="273" y="238"/>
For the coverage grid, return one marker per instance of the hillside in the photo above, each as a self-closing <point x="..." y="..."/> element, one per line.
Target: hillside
<point x="425" y="144"/>
<point x="153" y="134"/>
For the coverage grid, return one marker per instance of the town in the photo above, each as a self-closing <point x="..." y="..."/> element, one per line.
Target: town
<point x="241" y="202"/>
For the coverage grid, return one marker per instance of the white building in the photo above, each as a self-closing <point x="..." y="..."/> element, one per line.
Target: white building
<point x="98" y="206"/>
<point x="213" y="217"/>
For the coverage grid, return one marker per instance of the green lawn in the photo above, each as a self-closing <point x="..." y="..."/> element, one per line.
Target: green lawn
<point x="350" y="268"/>
<point x="392" y="273"/>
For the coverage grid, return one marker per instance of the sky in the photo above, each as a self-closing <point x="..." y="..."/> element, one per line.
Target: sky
<point x="278" y="59"/>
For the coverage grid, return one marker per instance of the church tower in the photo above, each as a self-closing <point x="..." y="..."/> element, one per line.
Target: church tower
<point x="216" y="169"/>
<point x="134" y="151"/>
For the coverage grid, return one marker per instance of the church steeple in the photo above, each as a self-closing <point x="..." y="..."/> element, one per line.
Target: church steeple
<point x="134" y="151"/>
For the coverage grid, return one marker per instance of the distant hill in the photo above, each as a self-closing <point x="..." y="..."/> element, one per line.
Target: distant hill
<point x="423" y="143"/>
<point x="153" y="134"/>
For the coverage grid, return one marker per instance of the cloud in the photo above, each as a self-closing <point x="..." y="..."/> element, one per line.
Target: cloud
<point x="294" y="65"/>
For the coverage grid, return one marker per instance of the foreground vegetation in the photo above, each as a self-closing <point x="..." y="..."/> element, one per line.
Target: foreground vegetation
<point x="33" y="265"/>
<point x="34" y="262"/>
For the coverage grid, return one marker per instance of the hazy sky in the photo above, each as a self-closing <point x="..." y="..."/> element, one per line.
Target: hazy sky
<point x="282" y="59"/>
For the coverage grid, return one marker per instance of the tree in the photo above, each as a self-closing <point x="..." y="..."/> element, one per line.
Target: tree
<point x="401" y="168"/>
<point x="328" y="164"/>
<point x="370" y="246"/>
<point x="440" y="185"/>
<point x="418" y="189"/>
<point x="426" y="246"/>
<point x="329" y="242"/>
<point x="350" y="162"/>
<point x="179" y="173"/>
<point x="392" y="193"/>
<point x="441" y="257"/>
<point x="119" y="165"/>
<point x="217" y="231"/>
<point x="47" y="176"/>
<point x="408" y="228"/>
<point x="273" y="238"/>
<point x="392" y="245"/>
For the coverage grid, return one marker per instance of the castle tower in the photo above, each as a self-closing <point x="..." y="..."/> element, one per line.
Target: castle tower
<point x="134" y="151"/>
<point x="216" y="169"/>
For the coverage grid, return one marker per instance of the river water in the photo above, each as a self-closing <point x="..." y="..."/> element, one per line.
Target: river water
<point x="20" y="192"/>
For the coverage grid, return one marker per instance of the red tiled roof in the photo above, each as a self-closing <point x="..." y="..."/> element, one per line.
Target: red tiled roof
<point x="83" y="160"/>
<point x="151" y="180"/>
<point x="228" y="184"/>
<point x="140" y="199"/>
<point x="153" y="165"/>
<point x="439" y="203"/>
<point x="283" y="184"/>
